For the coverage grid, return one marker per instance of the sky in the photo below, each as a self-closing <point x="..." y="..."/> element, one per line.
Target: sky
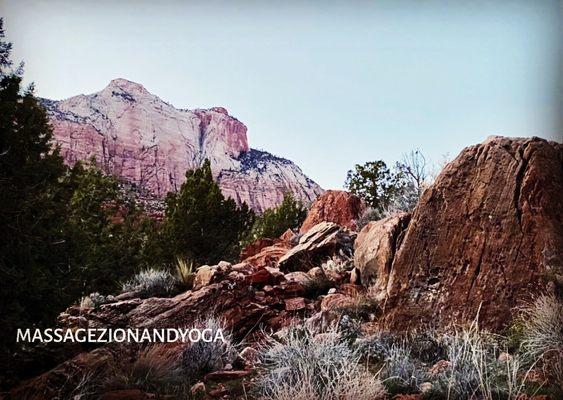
<point x="327" y="84"/>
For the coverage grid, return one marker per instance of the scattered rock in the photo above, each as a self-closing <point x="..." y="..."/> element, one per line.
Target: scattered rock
<point x="203" y="277"/>
<point x="269" y="256"/>
<point x="298" y="276"/>
<point x="287" y="236"/>
<point x="337" y="301"/>
<point x="223" y="376"/>
<point x="250" y="357"/>
<point x="295" y="304"/>
<point x="425" y="387"/>
<point x="336" y="206"/>
<point x="198" y="389"/>
<point x="256" y="247"/>
<point x="439" y="367"/>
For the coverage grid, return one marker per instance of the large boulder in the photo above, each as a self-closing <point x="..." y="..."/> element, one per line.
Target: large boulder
<point x="323" y="241"/>
<point x="336" y="206"/>
<point x="374" y="251"/>
<point x="484" y="237"/>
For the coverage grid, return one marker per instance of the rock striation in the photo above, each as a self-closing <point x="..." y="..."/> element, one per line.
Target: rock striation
<point x="135" y="135"/>
<point x="485" y="236"/>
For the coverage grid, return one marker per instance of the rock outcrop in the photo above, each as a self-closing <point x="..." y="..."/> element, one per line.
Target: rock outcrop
<point x="135" y="135"/>
<point x="342" y="208"/>
<point x="484" y="237"/>
<point x="374" y="250"/>
<point x="320" y="243"/>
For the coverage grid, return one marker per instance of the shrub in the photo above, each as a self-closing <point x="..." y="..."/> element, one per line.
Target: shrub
<point x="152" y="283"/>
<point x="156" y="370"/>
<point x="289" y="214"/>
<point x="401" y="373"/>
<point x="201" y="223"/>
<point x="93" y="300"/>
<point x="185" y="272"/>
<point x="325" y="367"/>
<point x="475" y="371"/>
<point x="541" y="329"/>
<point x="201" y="357"/>
<point x="368" y="215"/>
<point x="541" y="324"/>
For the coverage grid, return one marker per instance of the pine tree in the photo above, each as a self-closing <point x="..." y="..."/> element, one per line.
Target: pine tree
<point x="200" y="223"/>
<point x="289" y="214"/>
<point x="32" y="260"/>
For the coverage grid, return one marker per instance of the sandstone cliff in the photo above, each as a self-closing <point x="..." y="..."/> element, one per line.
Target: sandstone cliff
<point x="135" y="135"/>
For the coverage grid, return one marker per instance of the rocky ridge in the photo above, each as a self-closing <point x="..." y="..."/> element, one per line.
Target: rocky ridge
<point x="136" y="136"/>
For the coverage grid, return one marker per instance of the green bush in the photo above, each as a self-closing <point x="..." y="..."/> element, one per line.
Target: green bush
<point x="289" y="214"/>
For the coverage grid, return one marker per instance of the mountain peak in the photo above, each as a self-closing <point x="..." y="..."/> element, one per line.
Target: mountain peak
<point x="126" y="85"/>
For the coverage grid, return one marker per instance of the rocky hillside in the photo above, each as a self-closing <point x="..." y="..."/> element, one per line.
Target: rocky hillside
<point x="135" y="135"/>
<point x="484" y="238"/>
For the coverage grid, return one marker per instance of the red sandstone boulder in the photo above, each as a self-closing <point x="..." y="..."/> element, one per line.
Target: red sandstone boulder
<point x="322" y="242"/>
<point x="484" y="237"/>
<point x="256" y="247"/>
<point x="374" y="250"/>
<point x="269" y="256"/>
<point x="336" y="206"/>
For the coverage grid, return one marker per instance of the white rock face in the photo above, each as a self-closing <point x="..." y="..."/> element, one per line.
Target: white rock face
<point x="136" y="136"/>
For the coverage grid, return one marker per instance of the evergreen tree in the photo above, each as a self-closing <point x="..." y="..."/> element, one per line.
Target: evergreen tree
<point x="375" y="183"/>
<point x="107" y="234"/>
<point x="32" y="257"/>
<point x="289" y="214"/>
<point x="200" y="223"/>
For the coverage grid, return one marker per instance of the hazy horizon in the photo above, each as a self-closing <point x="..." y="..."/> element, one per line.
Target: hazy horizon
<point x="324" y="86"/>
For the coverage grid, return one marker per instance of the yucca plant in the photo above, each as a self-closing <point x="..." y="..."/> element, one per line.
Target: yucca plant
<point x="185" y="272"/>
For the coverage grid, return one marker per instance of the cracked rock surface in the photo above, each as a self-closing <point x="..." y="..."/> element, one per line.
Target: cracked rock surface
<point x="483" y="237"/>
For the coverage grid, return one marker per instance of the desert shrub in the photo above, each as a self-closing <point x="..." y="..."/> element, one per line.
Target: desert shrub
<point x="301" y="366"/>
<point x="185" y="272"/>
<point x="427" y="346"/>
<point x="475" y="370"/>
<point x="339" y="264"/>
<point x="368" y="215"/>
<point x="541" y="328"/>
<point x="93" y="300"/>
<point x="156" y="370"/>
<point x="401" y="372"/>
<point x="152" y="283"/>
<point x="201" y="357"/>
<point x="375" y="348"/>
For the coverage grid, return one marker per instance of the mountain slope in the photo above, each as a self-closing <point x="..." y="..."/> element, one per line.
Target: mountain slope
<point x="135" y="135"/>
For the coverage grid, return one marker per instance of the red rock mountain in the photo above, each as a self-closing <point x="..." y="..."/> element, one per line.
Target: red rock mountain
<point x="135" y="135"/>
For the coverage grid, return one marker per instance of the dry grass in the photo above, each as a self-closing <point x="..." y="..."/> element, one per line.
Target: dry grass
<point x="152" y="283"/>
<point x="303" y="367"/>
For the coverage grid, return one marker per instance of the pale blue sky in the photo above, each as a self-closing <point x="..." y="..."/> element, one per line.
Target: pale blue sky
<point x="325" y="84"/>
